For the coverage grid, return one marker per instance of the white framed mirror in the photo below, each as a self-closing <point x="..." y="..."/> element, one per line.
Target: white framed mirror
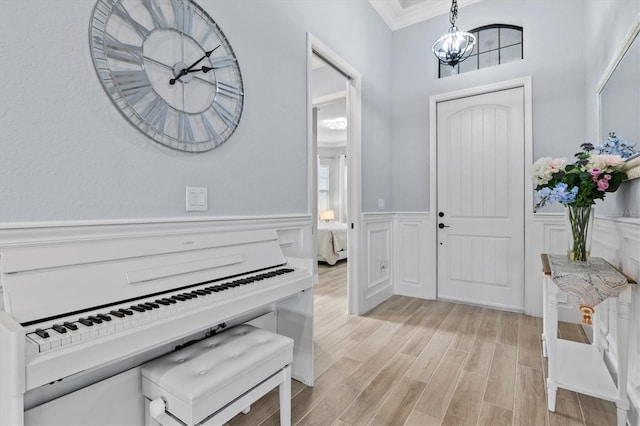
<point x="619" y="98"/>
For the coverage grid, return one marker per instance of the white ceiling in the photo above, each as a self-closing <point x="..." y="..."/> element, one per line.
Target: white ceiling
<point x="402" y="13"/>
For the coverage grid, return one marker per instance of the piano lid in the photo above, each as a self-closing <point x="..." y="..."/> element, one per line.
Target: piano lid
<point x="44" y="280"/>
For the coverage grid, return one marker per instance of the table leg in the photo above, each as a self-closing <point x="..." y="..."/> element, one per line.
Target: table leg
<point x="544" y="316"/>
<point x="551" y="338"/>
<point x="622" y="350"/>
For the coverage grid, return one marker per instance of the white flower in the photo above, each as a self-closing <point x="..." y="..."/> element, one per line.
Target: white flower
<point x="605" y="162"/>
<point x="542" y="170"/>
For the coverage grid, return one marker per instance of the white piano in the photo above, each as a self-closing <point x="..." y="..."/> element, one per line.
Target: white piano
<point x="78" y="317"/>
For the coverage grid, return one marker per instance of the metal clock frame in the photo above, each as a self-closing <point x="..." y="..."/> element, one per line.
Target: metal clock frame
<point x="128" y="88"/>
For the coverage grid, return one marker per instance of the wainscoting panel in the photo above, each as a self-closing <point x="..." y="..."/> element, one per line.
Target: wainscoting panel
<point x="378" y="266"/>
<point x="618" y="241"/>
<point x="414" y="256"/>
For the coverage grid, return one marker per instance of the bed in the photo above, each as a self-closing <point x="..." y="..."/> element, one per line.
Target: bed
<point x="332" y="242"/>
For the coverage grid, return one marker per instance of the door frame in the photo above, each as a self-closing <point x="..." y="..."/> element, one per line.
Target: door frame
<point x="525" y="83"/>
<point x="355" y="295"/>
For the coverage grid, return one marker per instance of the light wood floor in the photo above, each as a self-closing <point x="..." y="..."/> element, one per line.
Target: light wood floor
<point x="421" y="362"/>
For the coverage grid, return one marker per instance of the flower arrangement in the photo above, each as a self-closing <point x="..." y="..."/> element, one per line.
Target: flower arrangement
<point x="615" y="146"/>
<point x="578" y="185"/>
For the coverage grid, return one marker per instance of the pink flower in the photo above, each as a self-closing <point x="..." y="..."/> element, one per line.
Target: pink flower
<point x="607" y="177"/>
<point x="557" y="164"/>
<point x="603" y="185"/>
<point x="595" y="172"/>
<point x="612" y="160"/>
<point x="604" y="162"/>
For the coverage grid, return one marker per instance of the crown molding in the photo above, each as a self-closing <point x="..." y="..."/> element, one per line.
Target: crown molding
<point x="397" y="17"/>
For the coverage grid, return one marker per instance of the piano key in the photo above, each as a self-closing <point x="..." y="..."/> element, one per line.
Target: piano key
<point x="44" y="344"/>
<point x="40" y="332"/>
<point x="60" y="329"/>
<point x="88" y="331"/>
<point x="76" y="334"/>
<point x="65" y="339"/>
<point x="102" y="324"/>
<point x="70" y="326"/>
<point x="94" y="319"/>
<point x="85" y="322"/>
<point x="31" y="347"/>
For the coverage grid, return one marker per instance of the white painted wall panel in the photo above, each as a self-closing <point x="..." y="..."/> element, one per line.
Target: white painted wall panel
<point x="414" y="248"/>
<point x="378" y="259"/>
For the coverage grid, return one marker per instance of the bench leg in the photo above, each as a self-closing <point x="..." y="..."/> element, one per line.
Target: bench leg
<point x="285" y="397"/>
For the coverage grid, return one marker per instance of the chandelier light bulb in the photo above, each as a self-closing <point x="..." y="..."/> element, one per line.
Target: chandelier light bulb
<point x="339" y="123"/>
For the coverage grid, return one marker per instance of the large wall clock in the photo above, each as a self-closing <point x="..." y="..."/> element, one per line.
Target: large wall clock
<point x="169" y="69"/>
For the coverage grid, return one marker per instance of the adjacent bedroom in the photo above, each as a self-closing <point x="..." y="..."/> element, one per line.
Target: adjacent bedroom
<point x="332" y="165"/>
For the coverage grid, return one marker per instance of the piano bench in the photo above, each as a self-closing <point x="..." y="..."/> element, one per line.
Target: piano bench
<point x="214" y="379"/>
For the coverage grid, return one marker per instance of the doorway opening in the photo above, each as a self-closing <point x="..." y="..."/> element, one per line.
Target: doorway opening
<point x="334" y="164"/>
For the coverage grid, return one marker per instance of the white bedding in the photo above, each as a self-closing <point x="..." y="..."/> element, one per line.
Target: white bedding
<point x="332" y="242"/>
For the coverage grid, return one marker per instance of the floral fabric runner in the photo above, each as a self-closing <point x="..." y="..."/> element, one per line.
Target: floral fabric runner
<point x="591" y="282"/>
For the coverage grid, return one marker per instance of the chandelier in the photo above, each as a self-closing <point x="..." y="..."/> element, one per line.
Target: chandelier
<point x="455" y="46"/>
<point x="339" y="123"/>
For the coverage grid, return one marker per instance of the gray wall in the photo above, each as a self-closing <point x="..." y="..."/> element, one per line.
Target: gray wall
<point x="564" y="83"/>
<point x="67" y="154"/>
<point x="557" y="83"/>
<point x="607" y="22"/>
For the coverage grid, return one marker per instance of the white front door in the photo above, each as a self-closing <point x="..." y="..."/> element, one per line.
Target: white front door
<point x="480" y="199"/>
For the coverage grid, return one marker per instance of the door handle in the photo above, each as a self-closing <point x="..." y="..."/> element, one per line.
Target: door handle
<point x="442" y="225"/>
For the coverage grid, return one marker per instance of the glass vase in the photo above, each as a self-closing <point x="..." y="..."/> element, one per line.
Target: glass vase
<point x="579" y="222"/>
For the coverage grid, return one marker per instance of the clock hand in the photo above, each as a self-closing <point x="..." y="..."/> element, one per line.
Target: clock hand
<point x="146" y="58"/>
<point x="186" y="71"/>
<point x="203" y="69"/>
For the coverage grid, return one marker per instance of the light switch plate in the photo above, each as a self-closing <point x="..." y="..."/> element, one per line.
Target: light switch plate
<point x="197" y="199"/>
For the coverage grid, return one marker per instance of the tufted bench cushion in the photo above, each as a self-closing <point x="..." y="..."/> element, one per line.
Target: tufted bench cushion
<point x="200" y="379"/>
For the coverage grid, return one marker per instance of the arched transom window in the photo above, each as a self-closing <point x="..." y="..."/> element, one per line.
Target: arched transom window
<point x="495" y="44"/>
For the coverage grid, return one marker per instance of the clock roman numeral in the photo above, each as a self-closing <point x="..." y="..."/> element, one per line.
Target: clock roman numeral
<point x="224" y="114"/>
<point x="223" y="61"/>
<point x="155" y="113"/>
<point x="133" y="85"/>
<point x="157" y="16"/>
<point x="135" y="25"/>
<point x="212" y="30"/>
<point x="185" y="132"/>
<point x="213" y="134"/>
<point x="119" y="51"/>
<point x="229" y="90"/>
<point x="183" y="17"/>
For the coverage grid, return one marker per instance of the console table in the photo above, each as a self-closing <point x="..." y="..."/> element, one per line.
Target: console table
<point x="577" y="366"/>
